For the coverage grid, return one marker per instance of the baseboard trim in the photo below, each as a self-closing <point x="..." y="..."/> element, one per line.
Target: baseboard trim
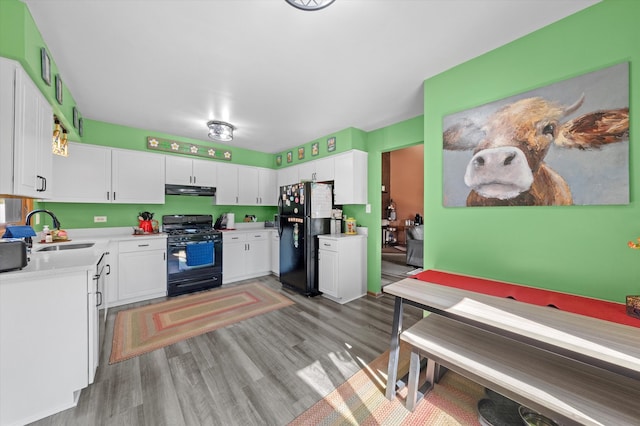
<point x="372" y="294"/>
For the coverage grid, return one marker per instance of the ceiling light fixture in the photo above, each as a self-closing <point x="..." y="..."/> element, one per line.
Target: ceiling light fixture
<point x="310" y="4"/>
<point x="220" y="130"/>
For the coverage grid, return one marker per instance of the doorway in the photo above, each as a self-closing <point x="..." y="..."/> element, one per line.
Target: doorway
<point x="402" y="200"/>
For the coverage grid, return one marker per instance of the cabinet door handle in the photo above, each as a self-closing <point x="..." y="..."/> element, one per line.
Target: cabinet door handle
<point x="99" y="294"/>
<point x="194" y="179"/>
<point x="326" y="244"/>
<point x="108" y="269"/>
<point x="143" y="245"/>
<point x="42" y="183"/>
<point x="108" y="195"/>
<point x="114" y="195"/>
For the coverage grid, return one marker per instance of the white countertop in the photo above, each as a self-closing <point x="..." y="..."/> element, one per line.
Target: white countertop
<point x="339" y="236"/>
<point x="46" y="262"/>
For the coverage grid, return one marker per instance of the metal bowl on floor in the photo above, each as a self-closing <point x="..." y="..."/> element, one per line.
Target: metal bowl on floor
<point x="532" y="418"/>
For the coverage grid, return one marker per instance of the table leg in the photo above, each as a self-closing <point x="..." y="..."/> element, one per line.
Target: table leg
<point x="394" y="351"/>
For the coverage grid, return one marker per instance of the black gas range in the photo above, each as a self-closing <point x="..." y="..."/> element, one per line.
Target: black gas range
<point x="194" y="253"/>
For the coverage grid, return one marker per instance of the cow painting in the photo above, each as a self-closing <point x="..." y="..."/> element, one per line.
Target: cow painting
<point x="509" y="146"/>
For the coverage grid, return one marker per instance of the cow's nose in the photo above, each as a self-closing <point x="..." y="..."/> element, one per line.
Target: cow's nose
<point x="505" y="158"/>
<point x="501" y="172"/>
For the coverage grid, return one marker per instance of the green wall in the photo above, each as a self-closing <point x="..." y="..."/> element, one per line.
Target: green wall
<point x="397" y="136"/>
<point x="576" y="249"/>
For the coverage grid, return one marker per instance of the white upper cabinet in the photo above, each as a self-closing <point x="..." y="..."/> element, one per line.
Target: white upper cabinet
<point x="84" y="176"/>
<point x="267" y="187"/>
<point x="96" y="174"/>
<point x="350" y="181"/>
<point x="186" y="171"/>
<point x="288" y="176"/>
<point x="227" y="187"/>
<point x="26" y="129"/>
<point x="324" y="169"/>
<point x="306" y="171"/>
<point x="248" y="180"/>
<point x="246" y="186"/>
<point x="137" y="177"/>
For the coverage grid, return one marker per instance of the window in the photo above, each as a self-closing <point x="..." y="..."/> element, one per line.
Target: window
<point x="13" y="211"/>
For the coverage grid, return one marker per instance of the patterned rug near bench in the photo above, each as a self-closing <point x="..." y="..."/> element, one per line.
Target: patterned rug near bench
<point x="154" y="326"/>
<point x="361" y="400"/>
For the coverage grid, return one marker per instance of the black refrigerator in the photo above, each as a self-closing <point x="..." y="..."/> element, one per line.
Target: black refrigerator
<point x="304" y="211"/>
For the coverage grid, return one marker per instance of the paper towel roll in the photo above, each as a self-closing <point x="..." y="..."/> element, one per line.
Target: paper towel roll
<point x="231" y="220"/>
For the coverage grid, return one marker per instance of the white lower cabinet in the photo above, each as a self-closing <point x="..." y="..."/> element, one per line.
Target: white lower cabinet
<point x="44" y="341"/>
<point x="342" y="267"/>
<point x="245" y="254"/>
<point x="141" y="269"/>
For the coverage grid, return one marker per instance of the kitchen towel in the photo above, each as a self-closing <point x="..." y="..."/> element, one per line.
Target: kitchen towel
<point x="19" y="231"/>
<point x="199" y="254"/>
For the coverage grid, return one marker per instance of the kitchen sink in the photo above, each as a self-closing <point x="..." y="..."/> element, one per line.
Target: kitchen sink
<point x="66" y="247"/>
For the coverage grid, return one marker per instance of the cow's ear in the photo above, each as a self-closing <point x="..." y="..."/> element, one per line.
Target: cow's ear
<point x="595" y="129"/>
<point x="462" y="136"/>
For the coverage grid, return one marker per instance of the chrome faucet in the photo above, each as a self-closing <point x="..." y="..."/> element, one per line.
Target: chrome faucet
<point x="56" y="222"/>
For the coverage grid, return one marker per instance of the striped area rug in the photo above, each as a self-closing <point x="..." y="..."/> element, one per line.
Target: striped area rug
<point x="361" y="401"/>
<point x="147" y="328"/>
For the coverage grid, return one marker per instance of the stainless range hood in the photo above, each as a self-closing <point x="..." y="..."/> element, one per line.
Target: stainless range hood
<point x="203" y="191"/>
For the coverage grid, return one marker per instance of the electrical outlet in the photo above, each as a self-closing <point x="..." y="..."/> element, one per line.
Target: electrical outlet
<point x="97" y="219"/>
<point x="367" y="209"/>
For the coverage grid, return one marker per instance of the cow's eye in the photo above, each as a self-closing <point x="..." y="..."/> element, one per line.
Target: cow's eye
<point x="549" y="129"/>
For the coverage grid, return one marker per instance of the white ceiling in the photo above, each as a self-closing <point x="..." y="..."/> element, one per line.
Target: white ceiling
<point x="283" y="76"/>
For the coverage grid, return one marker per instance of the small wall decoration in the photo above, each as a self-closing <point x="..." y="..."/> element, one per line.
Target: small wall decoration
<point x="289" y="156"/>
<point x="45" y="66"/>
<point x="59" y="89"/>
<point x="188" y="148"/>
<point x="80" y="127"/>
<point x="315" y="150"/>
<point x="331" y="144"/>
<point x="279" y="160"/>
<point x="301" y="153"/>
<point x="562" y="144"/>
<point x="76" y="117"/>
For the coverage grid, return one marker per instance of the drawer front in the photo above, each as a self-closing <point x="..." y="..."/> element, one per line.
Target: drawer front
<point x="234" y="237"/>
<point x="143" y="244"/>
<point x="258" y="235"/>
<point x="329" y="245"/>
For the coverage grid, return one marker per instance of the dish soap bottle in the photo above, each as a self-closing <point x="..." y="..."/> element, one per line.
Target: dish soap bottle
<point x="46" y="235"/>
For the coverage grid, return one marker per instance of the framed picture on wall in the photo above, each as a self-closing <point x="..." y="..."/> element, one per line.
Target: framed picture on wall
<point x="581" y="153"/>
<point x="80" y="127"/>
<point x="301" y="153"/>
<point x="315" y="150"/>
<point x="289" y="156"/>
<point x="59" y="89"/>
<point x="279" y="160"/>
<point x="76" y="117"/>
<point x="331" y="144"/>
<point x="45" y="65"/>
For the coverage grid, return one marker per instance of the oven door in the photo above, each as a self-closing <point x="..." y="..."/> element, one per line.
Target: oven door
<point x="193" y="266"/>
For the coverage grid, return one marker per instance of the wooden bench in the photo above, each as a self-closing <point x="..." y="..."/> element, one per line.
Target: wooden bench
<point x="603" y="356"/>
<point x="554" y="385"/>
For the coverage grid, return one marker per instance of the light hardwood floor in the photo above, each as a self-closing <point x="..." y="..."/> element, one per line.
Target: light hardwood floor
<point x="266" y="370"/>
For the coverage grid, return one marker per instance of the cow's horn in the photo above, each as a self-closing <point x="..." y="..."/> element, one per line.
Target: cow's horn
<point x="568" y="110"/>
